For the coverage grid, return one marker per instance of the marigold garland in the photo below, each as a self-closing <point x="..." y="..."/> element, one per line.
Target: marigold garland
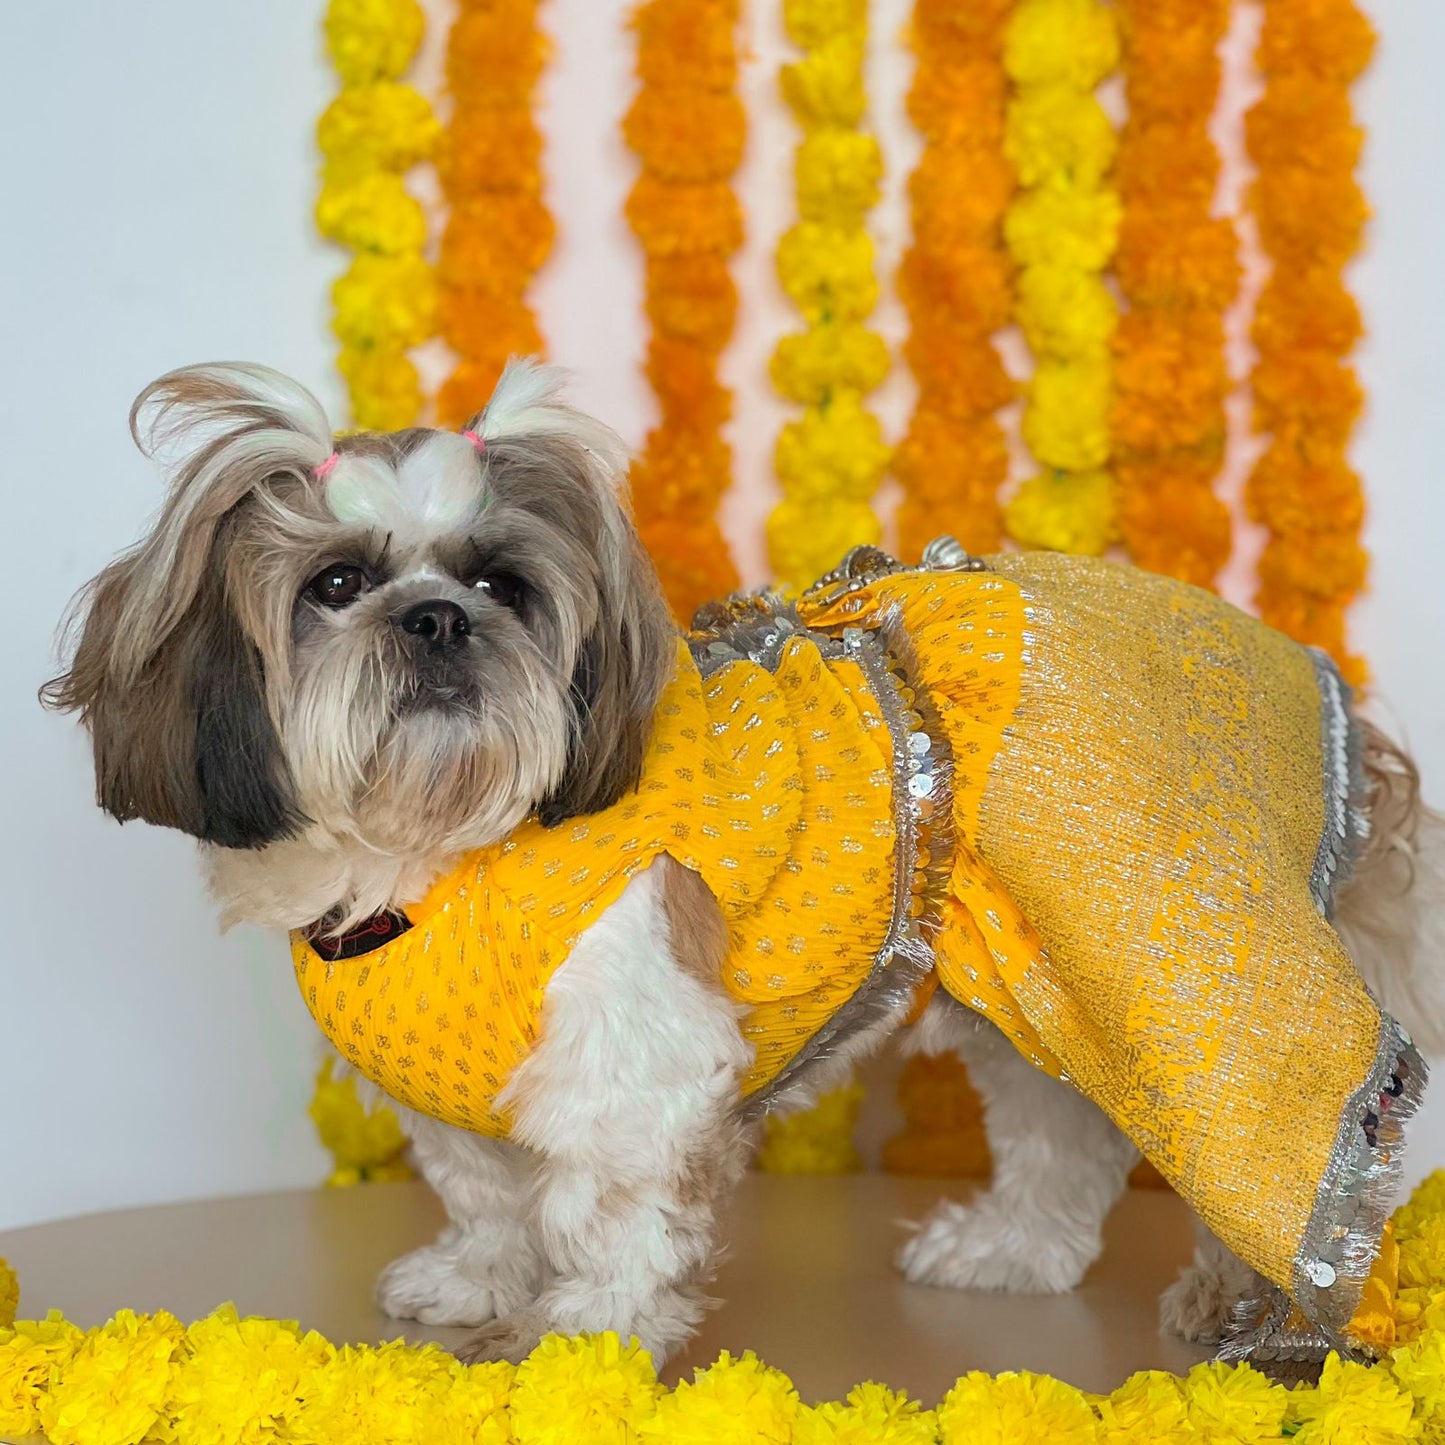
<point x="1305" y="144"/>
<point x="374" y="131"/>
<point x="830" y="461"/>
<point x="687" y="127"/>
<point x="1178" y="268"/>
<point x="228" y="1380"/>
<point x="955" y="279"/>
<point x="817" y="1140"/>
<point x="1061" y="231"/>
<point x="365" y="1144"/>
<point x="498" y="229"/>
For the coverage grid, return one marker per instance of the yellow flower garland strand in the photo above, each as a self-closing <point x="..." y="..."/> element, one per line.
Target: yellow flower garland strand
<point x="498" y="230"/>
<point x="955" y="280"/>
<point x="374" y="131"/>
<point x="365" y="1144"/>
<point x="1305" y="145"/>
<point x="830" y="462"/>
<point x="231" y="1379"/>
<point x="687" y="127"/>
<point x="1179" y="270"/>
<point x="1062" y="232"/>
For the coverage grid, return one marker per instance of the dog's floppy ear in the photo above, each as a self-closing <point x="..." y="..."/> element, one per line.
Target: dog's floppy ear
<point x="163" y="674"/>
<point x="621" y="670"/>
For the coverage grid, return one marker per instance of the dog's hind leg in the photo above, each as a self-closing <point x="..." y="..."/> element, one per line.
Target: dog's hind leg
<point x="1058" y="1167"/>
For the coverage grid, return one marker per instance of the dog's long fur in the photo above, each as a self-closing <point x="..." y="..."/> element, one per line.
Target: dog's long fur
<point x="333" y="759"/>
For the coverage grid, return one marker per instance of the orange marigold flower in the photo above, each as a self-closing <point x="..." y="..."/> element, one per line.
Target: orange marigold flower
<point x="1170" y="518"/>
<point x="943" y="460"/>
<point x="482" y="33"/>
<point x="475" y="320"/>
<point x="959" y="197"/>
<point x="960" y="103"/>
<point x="1170" y="382"/>
<point x="1173" y="67"/>
<point x="1313" y="620"/>
<point x="977" y="25"/>
<point x="972" y="285"/>
<point x="959" y="373"/>
<point x="1308" y="391"/>
<point x="464" y="393"/>
<point x="684" y="379"/>
<point x="1168" y="159"/>
<point x="502" y="240"/>
<point x="491" y="150"/>
<point x="1306" y="311"/>
<point x="1326" y="564"/>
<point x="684" y="220"/>
<point x="1308" y="218"/>
<point x="696" y="139"/>
<point x="1331" y="38"/>
<point x="1176" y="256"/>
<point x="692" y="564"/>
<point x="1291" y="494"/>
<point x="1302" y="120"/>
<point x="687" y="45"/>
<point x="692" y="298"/>
<point x="679" y="469"/>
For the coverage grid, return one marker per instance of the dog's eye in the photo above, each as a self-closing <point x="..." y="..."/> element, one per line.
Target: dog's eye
<point x="338" y="585"/>
<point x="501" y="587"/>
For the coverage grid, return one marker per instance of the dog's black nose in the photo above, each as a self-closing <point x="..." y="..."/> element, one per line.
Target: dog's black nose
<point x="436" y="620"/>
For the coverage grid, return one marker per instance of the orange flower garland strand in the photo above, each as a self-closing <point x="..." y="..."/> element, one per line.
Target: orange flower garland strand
<point x="1178" y="269"/>
<point x="830" y="462"/>
<point x="687" y="127"/>
<point x="955" y="279"/>
<point x="1311" y="214"/>
<point x="499" y="230"/>
<point x="374" y="131"/>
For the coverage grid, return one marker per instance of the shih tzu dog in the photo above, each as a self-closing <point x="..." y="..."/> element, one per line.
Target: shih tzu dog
<point x="345" y="666"/>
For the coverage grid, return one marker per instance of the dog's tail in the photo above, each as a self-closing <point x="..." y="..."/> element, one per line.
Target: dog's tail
<point x="1391" y="913"/>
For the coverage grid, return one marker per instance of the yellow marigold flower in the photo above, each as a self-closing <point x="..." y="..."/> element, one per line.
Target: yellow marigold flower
<point x="366" y="1143"/>
<point x="365" y="1394"/>
<point x="1427" y="1200"/>
<point x="810" y="23"/>
<point x="472" y="1410"/>
<point x="838" y="176"/>
<point x="1066" y="423"/>
<point x="874" y="1415"/>
<point x="374" y="212"/>
<point x="385" y="396"/>
<point x="808" y="367"/>
<point x="1065" y="312"/>
<point x="592" y="1388"/>
<point x="238" y="1379"/>
<point x="1422" y="1254"/>
<point x="1064" y="512"/>
<point x="805" y="538"/>
<point x="112" y="1390"/>
<point x="30" y="1354"/>
<point x="1147" y="1409"/>
<point x="372" y="39"/>
<point x="384" y="300"/>
<point x="1420" y="1369"/>
<point x="825" y="87"/>
<point x="9" y="1294"/>
<point x="818" y="1140"/>
<point x="385" y="126"/>
<point x="1064" y="226"/>
<point x="1354" y="1405"/>
<point x="827" y="273"/>
<point x="835" y="451"/>
<point x="1054" y="133"/>
<point x="1008" y="1408"/>
<point x="732" y="1402"/>
<point x="1064" y="42"/>
<point x="1235" y="1403"/>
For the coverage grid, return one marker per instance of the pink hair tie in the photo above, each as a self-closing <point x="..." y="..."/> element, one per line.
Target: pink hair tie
<point x="479" y="442"/>
<point x="324" y="469"/>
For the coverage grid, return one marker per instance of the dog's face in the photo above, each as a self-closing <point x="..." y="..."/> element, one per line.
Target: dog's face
<point x="415" y="646"/>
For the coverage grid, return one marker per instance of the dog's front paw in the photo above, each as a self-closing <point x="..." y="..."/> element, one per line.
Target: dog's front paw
<point x="991" y="1246"/>
<point x="511" y="1338"/>
<point x="427" y="1285"/>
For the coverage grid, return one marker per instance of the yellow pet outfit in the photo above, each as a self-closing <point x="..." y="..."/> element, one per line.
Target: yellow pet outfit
<point x="1103" y="809"/>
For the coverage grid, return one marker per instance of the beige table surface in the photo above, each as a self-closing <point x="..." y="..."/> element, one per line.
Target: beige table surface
<point x="808" y="1283"/>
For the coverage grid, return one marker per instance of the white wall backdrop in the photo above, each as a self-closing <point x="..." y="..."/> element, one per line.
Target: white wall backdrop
<point x="158" y="173"/>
